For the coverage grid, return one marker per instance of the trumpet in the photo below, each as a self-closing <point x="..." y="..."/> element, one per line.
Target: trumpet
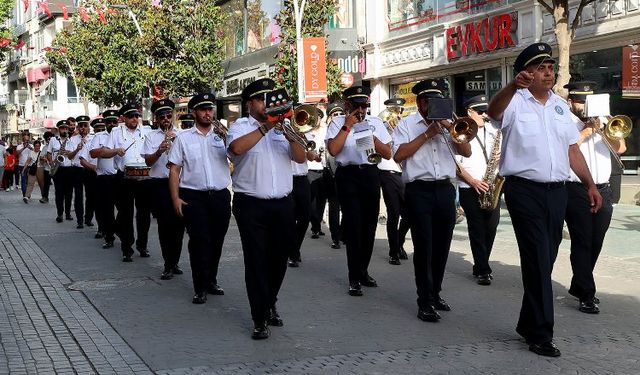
<point x="219" y="128"/>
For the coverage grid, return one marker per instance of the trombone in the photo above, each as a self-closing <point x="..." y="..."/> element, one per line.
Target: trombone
<point x="463" y="130"/>
<point x="618" y="128"/>
<point x="305" y="119"/>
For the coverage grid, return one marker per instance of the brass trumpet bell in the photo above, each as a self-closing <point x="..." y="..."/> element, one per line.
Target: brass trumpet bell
<point x="305" y="118"/>
<point x="463" y="130"/>
<point x="374" y="158"/>
<point x="618" y="127"/>
<point x="391" y="116"/>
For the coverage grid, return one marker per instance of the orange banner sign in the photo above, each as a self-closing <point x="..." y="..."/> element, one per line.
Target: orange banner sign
<point x="315" y="70"/>
<point x="631" y="71"/>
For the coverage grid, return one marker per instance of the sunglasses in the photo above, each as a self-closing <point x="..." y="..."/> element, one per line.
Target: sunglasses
<point x="337" y="113"/>
<point x="132" y="115"/>
<point x="82" y="126"/>
<point x="164" y="116"/>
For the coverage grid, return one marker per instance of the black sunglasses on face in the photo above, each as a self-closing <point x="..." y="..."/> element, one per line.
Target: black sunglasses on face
<point x="165" y="116"/>
<point x="82" y="126"/>
<point x="132" y="115"/>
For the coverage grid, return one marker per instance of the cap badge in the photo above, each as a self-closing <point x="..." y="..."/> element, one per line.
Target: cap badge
<point x="265" y="83"/>
<point x="541" y="47"/>
<point x="483" y="98"/>
<point x="587" y="88"/>
<point x="434" y="83"/>
<point x="359" y="90"/>
<point x="206" y="96"/>
<point x="559" y="110"/>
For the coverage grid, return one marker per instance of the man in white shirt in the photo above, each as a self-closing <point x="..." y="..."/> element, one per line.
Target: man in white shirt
<point x="78" y="177"/>
<point x="62" y="148"/>
<point x="539" y="148"/>
<point x="588" y="229"/>
<point x="23" y="151"/>
<point x="262" y="202"/>
<point x="155" y="151"/>
<point x="106" y="178"/>
<point x="481" y="223"/>
<point x="124" y="145"/>
<point x="424" y="150"/>
<point x="89" y="166"/>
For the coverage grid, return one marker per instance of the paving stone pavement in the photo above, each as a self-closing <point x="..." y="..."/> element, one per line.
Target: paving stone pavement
<point x="68" y="306"/>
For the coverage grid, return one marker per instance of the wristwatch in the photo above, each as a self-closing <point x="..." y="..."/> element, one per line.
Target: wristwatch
<point x="345" y="128"/>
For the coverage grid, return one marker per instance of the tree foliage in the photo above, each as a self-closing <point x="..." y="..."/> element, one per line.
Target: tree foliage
<point x="565" y="31"/>
<point x="6" y="6"/>
<point x="315" y="17"/>
<point x="180" y="49"/>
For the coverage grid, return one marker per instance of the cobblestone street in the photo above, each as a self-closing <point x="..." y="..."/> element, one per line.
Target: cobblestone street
<point x="67" y="306"/>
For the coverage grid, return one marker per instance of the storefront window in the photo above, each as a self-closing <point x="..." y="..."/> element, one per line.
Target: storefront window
<point x="262" y="28"/>
<point x="404" y="91"/>
<point x="480" y="82"/>
<point x="234" y="28"/>
<point x="605" y="68"/>
<point x="343" y="19"/>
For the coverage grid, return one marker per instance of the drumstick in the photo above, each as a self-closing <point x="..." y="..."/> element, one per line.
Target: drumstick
<point x="132" y="143"/>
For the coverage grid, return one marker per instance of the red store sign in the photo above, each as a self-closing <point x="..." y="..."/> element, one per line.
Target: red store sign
<point x="488" y="34"/>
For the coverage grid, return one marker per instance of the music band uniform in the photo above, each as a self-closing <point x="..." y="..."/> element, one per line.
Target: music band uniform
<point x="170" y="225"/>
<point x="62" y="177"/>
<point x="81" y="177"/>
<point x="130" y="191"/>
<point x="301" y="194"/>
<point x="202" y="161"/>
<point x="358" y="186"/>
<point x="90" y="165"/>
<point x="587" y="229"/>
<point x="429" y="199"/>
<point x="482" y="224"/>
<point x="262" y="204"/>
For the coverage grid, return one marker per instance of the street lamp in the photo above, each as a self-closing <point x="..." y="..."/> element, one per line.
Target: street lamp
<point x="298" y="8"/>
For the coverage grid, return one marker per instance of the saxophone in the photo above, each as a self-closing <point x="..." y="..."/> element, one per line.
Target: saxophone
<point x="490" y="199"/>
<point x="59" y="159"/>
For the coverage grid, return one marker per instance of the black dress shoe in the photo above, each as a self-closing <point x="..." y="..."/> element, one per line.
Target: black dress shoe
<point x="127" y="259"/>
<point x="321" y="233"/>
<point x="428" y="315"/>
<point x="215" y="290"/>
<point x="199" y="298"/>
<point x="596" y="300"/>
<point x="59" y="219"/>
<point x="144" y="253"/>
<point x="315" y="235"/>
<point x="441" y="304"/>
<point x="293" y="263"/>
<point x="403" y="254"/>
<point x="274" y="318"/>
<point x="335" y="245"/>
<point x="98" y="235"/>
<point x="166" y="274"/>
<point x="355" y="289"/>
<point x="483" y="280"/>
<point x="69" y="217"/>
<point x="369" y="282"/>
<point x="176" y="270"/>
<point x="260" y="331"/>
<point x="589" y="307"/>
<point x="547" y="349"/>
<point x="107" y="245"/>
<point x="79" y="226"/>
<point x="394" y="260"/>
<point x="88" y="223"/>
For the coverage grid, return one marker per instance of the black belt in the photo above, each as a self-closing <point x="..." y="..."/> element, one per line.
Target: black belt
<point x="358" y="166"/>
<point x="430" y="182"/>
<point x="203" y="192"/>
<point x="598" y="186"/>
<point x="545" y="185"/>
<point x="316" y="170"/>
<point x="392" y="172"/>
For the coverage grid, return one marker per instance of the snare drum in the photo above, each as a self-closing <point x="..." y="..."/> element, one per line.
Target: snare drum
<point x="136" y="171"/>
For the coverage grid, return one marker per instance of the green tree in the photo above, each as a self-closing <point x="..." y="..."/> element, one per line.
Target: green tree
<point x="314" y="21"/>
<point x="180" y="49"/>
<point x="6" y="6"/>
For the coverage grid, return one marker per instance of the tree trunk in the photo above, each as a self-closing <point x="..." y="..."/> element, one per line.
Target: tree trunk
<point x="563" y="37"/>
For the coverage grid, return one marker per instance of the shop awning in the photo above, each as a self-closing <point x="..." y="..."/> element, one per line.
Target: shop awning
<point x="38" y="74"/>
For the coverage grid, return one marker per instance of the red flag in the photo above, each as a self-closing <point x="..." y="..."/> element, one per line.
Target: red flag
<point x="4" y="42"/>
<point x="19" y="45"/>
<point x="47" y="49"/>
<point x="65" y="11"/>
<point x="84" y="14"/>
<point x="26" y="4"/>
<point x="44" y="7"/>
<point x="102" y="15"/>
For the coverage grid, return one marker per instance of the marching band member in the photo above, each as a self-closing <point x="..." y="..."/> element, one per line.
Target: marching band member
<point x="358" y="180"/>
<point x="198" y="182"/>
<point x="301" y="194"/>
<point x="481" y="223"/>
<point x="156" y="154"/>
<point x="186" y="121"/>
<point x="262" y="202"/>
<point x="78" y="177"/>
<point x="588" y="229"/>
<point x="539" y="147"/>
<point x="61" y="146"/>
<point x="427" y="170"/>
<point x="124" y="145"/>
<point x="393" y="196"/>
<point x="106" y="178"/>
<point x="89" y="179"/>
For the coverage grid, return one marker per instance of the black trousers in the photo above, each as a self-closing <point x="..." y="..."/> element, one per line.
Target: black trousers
<point x="323" y="190"/>
<point x="77" y="184"/>
<point x="206" y="217"/>
<point x="106" y="188"/>
<point x="170" y="225"/>
<point x="359" y="194"/>
<point x="266" y="239"/>
<point x="129" y="193"/>
<point x="90" y="188"/>
<point x="537" y="211"/>
<point x="393" y="196"/>
<point x="431" y="208"/>
<point x="63" y="182"/>
<point x="481" y="226"/>
<point x="587" y="232"/>
<point x="302" y="202"/>
<point x="47" y="184"/>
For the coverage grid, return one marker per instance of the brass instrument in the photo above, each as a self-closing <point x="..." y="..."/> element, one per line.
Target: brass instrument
<point x="463" y="130"/>
<point x="291" y="132"/>
<point x="391" y="116"/>
<point x="59" y="159"/>
<point x="489" y="199"/>
<point x="220" y="129"/>
<point x="618" y="128"/>
<point x="169" y="139"/>
<point x="373" y="157"/>
<point x="305" y="118"/>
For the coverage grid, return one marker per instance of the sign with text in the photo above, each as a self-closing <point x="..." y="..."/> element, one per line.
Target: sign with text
<point x="631" y="71"/>
<point x="315" y="69"/>
<point x="488" y="34"/>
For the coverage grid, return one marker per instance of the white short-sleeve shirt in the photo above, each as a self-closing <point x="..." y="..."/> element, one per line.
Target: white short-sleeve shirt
<point x="151" y="144"/>
<point x="318" y="136"/>
<point x="350" y="155"/>
<point x="84" y="153"/>
<point x="476" y="164"/>
<point x="122" y="137"/>
<point x="104" y="166"/>
<point x="433" y="160"/>
<point x="24" y="155"/>
<point x="596" y="154"/>
<point x="54" y="148"/>
<point x="74" y="142"/>
<point x="203" y="159"/>
<point x="536" y="138"/>
<point x="265" y="170"/>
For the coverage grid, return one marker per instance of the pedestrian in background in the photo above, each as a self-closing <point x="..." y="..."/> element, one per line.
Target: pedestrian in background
<point x="43" y="175"/>
<point x="30" y="170"/>
<point x="9" y="167"/>
<point x="3" y="151"/>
